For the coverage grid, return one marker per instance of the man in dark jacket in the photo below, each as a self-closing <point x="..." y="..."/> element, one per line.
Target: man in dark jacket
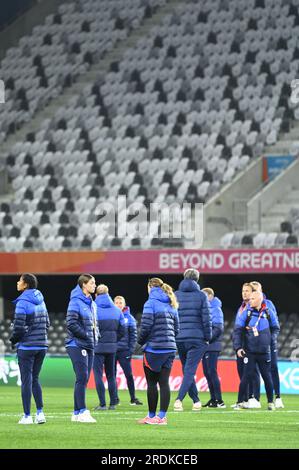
<point x="111" y="324"/>
<point x="258" y="323"/>
<point x="194" y="336"/>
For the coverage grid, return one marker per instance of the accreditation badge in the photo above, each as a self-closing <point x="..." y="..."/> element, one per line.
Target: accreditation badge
<point x="255" y="332"/>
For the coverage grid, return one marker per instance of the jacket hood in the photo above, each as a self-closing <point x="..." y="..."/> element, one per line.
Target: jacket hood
<point x="77" y="293"/>
<point x="158" y="294"/>
<point x="215" y="302"/>
<point x="104" y="301"/>
<point x="188" y="285"/>
<point x="34" y="296"/>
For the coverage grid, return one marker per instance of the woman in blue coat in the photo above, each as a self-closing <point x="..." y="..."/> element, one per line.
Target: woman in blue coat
<point x="82" y="336"/>
<point x="159" y="328"/>
<point x="30" y="336"/>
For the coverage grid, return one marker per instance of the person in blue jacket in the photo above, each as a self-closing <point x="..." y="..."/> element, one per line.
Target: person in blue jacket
<point x="159" y="328"/>
<point x="194" y="336"/>
<point x="126" y="347"/>
<point x="253" y="392"/>
<point x="211" y="355"/>
<point x="82" y="336"/>
<point x="274" y="351"/>
<point x="258" y="323"/>
<point x="111" y="324"/>
<point x="30" y="336"/>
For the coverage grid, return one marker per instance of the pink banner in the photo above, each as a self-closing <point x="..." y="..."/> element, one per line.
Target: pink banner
<point x="152" y="262"/>
<point x="206" y="261"/>
<point x="227" y="372"/>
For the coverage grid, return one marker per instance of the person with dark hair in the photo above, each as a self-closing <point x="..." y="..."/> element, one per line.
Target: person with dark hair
<point x="30" y="336"/>
<point x="111" y="323"/>
<point x="82" y="337"/>
<point x="126" y="347"/>
<point x="159" y="328"/>
<point x="195" y="334"/>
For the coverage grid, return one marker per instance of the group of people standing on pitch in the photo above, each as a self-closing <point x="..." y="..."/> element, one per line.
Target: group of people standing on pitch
<point x="101" y="332"/>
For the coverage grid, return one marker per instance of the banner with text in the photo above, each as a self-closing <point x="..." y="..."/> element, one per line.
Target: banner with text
<point x="152" y="261"/>
<point x="58" y="372"/>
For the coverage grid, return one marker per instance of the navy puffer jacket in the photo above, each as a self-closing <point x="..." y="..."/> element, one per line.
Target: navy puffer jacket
<point x="194" y="313"/>
<point x="128" y="341"/>
<point x="81" y="320"/>
<point x="159" y="322"/>
<point x="31" y="322"/>
<point x="217" y="325"/>
<point x="111" y="324"/>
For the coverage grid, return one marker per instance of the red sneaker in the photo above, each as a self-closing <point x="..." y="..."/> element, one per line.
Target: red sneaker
<point x="147" y="420"/>
<point x="161" y="421"/>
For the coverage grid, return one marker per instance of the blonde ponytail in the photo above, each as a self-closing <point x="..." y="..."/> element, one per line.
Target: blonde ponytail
<point x="157" y="282"/>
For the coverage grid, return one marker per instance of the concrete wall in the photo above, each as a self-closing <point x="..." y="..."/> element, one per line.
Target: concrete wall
<point x="219" y="211"/>
<point x="272" y="193"/>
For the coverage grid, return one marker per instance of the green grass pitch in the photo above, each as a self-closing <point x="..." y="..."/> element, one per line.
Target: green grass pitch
<point x="206" y="429"/>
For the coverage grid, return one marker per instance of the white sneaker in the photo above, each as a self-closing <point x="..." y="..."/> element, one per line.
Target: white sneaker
<point x="40" y="418"/>
<point x="279" y="403"/>
<point x="26" y="420"/>
<point x="178" y="405"/>
<point x="234" y="405"/>
<point x="196" y="406"/>
<point x="85" y="417"/>
<point x="271" y="407"/>
<point x="253" y="403"/>
<point x="241" y="406"/>
<point x="74" y="418"/>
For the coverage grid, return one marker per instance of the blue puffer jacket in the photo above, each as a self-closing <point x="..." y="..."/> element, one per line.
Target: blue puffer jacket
<point x="111" y="324"/>
<point x="159" y="322"/>
<point x="217" y="325"/>
<point x="129" y="340"/>
<point x="270" y="305"/>
<point x="267" y="325"/>
<point x="194" y="313"/>
<point x="81" y="321"/>
<point x="31" y="322"/>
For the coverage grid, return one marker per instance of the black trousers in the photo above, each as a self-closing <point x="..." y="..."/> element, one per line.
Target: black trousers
<point x="249" y="363"/>
<point x="153" y="379"/>
<point x="30" y="364"/>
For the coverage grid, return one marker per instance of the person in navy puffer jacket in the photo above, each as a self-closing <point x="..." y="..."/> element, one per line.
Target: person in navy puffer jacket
<point x="195" y="334"/>
<point x="258" y="324"/>
<point x="211" y="355"/>
<point x="274" y="351"/>
<point x="30" y="336"/>
<point x="126" y="347"/>
<point x="159" y="328"/>
<point x="82" y="336"/>
<point x="111" y="324"/>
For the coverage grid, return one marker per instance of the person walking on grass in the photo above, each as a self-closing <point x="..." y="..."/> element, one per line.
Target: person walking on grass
<point x="194" y="336"/>
<point x="159" y="328"/>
